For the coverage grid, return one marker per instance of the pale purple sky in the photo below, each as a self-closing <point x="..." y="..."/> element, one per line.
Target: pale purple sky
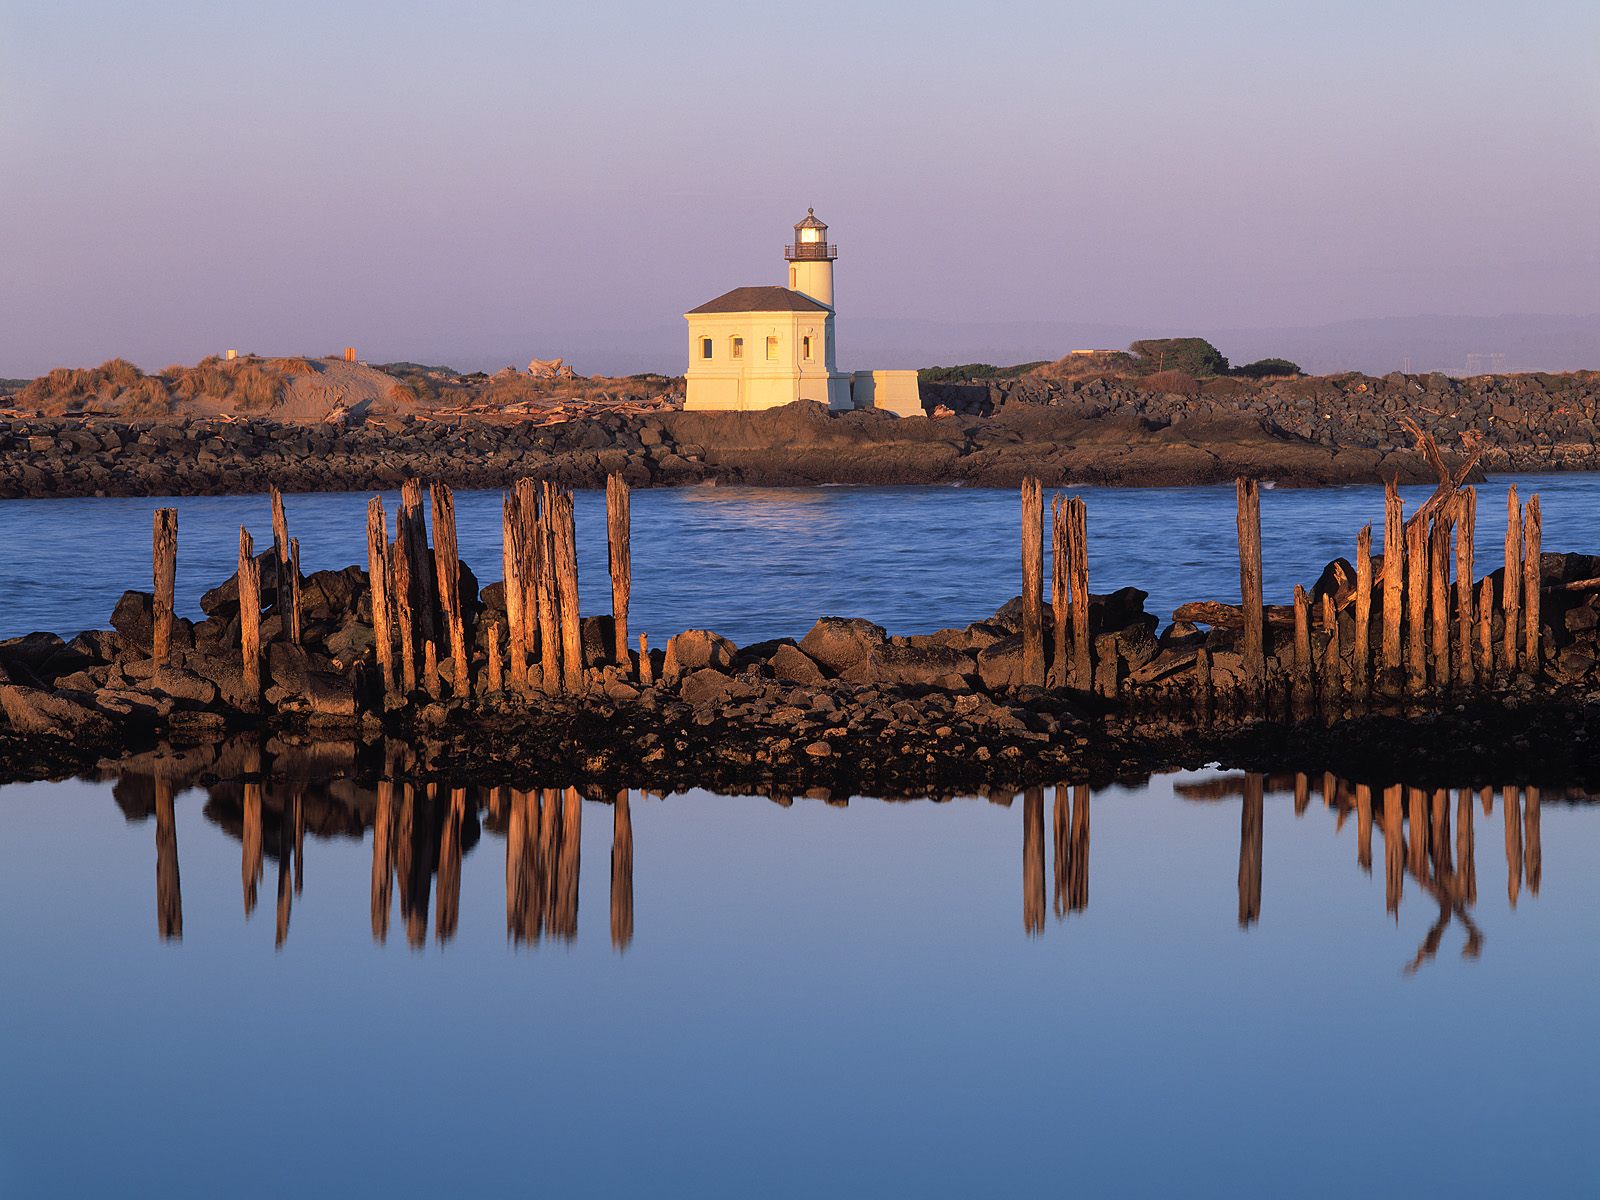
<point x="479" y="183"/>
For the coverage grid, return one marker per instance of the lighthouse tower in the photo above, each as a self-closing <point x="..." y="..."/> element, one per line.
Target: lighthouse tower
<point x="810" y="260"/>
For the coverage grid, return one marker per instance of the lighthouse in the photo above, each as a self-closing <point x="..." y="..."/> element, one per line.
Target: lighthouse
<point x="810" y="257"/>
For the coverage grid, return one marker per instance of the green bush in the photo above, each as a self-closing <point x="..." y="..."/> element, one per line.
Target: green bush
<point x="1191" y="355"/>
<point x="1263" y="367"/>
<point x="971" y="372"/>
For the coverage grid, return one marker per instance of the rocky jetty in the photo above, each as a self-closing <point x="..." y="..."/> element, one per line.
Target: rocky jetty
<point x="1097" y="431"/>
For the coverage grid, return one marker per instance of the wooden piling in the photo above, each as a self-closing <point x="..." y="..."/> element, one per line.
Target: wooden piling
<point x="647" y="674"/>
<point x="1364" y="827"/>
<point x="566" y="563"/>
<point x="1248" y="497"/>
<point x="548" y="594"/>
<point x="249" y="580"/>
<point x="620" y="557"/>
<point x="382" y="860"/>
<point x="511" y="566"/>
<point x="1532" y="844"/>
<point x="430" y="668"/>
<point x="1486" y="628"/>
<point x="280" y="557"/>
<point x="1033" y="856"/>
<point x="1078" y="586"/>
<point x="447" y="563"/>
<point x="1511" y="584"/>
<point x="1466" y="621"/>
<point x="1251" y="821"/>
<point x="1511" y="803"/>
<point x="1032" y="583"/>
<point x="164" y="571"/>
<point x="1532" y="585"/>
<point x="621" y="864"/>
<point x="1078" y="851"/>
<point x="169" y="891"/>
<point x="294" y="591"/>
<point x="1060" y="591"/>
<point x="1416" y="607"/>
<point x="496" y="678"/>
<point x="1466" y="851"/>
<point x="378" y="578"/>
<point x="1361" y="661"/>
<point x="400" y="572"/>
<point x="1394" y="853"/>
<point x="1300" y="679"/>
<point x="411" y="528"/>
<point x="1332" y="665"/>
<point x="1439" y="597"/>
<point x="1394" y="567"/>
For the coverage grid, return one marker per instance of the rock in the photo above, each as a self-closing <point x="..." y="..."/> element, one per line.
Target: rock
<point x="183" y="685"/>
<point x="706" y="688"/>
<point x="1009" y="615"/>
<point x="839" y="643"/>
<point x="225" y="672"/>
<point x="599" y="636"/>
<point x="34" y="710"/>
<point x="1000" y="663"/>
<point x="819" y="749"/>
<point x="793" y="665"/>
<point x="125" y="702"/>
<point x="697" y="649"/>
<point x="134" y="619"/>
<point x="912" y="665"/>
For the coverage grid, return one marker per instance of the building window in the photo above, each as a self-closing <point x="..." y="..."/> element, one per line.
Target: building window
<point x="805" y="347"/>
<point x="794" y="277"/>
<point x="772" y="349"/>
<point x="705" y="347"/>
<point x="736" y="347"/>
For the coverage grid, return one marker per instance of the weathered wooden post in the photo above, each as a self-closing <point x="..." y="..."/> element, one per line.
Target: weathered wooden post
<point x="294" y="590"/>
<point x="1060" y="818"/>
<point x="549" y="594"/>
<point x="1466" y="533"/>
<point x="565" y="538"/>
<point x="511" y="572"/>
<point x="1332" y="666"/>
<point x="1078" y="585"/>
<point x="1511" y="803"/>
<point x="1439" y="599"/>
<point x="1394" y="852"/>
<point x="1394" y="567"/>
<point x="1032" y="583"/>
<point x="1300" y="679"/>
<point x="447" y="563"/>
<point x="1532" y="584"/>
<point x="1362" y="660"/>
<point x="411" y="527"/>
<point x="382" y="860"/>
<point x="1364" y="827"/>
<point x="378" y="577"/>
<point x="1078" y="851"/>
<point x="1248" y="496"/>
<point x="1532" y="846"/>
<point x="1466" y="851"/>
<point x="1416" y="606"/>
<point x="496" y="678"/>
<point x="280" y="554"/>
<point x="619" y="522"/>
<point x="1060" y="590"/>
<point x="400" y="566"/>
<point x="1511" y="584"/>
<point x="1486" y="629"/>
<point x="1417" y="820"/>
<point x="647" y="673"/>
<point x="164" y="571"/>
<point x="251" y="846"/>
<point x="249" y="580"/>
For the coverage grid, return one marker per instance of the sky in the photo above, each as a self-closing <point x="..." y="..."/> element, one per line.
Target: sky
<point x="482" y="183"/>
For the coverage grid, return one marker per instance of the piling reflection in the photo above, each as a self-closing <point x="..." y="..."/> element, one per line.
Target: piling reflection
<point x="421" y="834"/>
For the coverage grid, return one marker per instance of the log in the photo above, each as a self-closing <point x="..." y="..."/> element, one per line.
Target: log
<point x="1361" y="663"/>
<point x="447" y="563"/>
<point x="1439" y="597"/>
<point x="1532" y="531"/>
<point x="1394" y="566"/>
<point x="1511" y="584"/>
<point x="378" y="578"/>
<point x="250" y="616"/>
<point x="1416" y="608"/>
<point x="164" y="572"/>
<point x="1032" y="585"/>
<point x="1300" y="678"/>
<point x="1060" y="589"/>
<point x="1078" y="585"/>
<point x="620" y="558"/>
<point x="1466" y="621"/>
<point x="1231" y="616"/>
<point x="1248" y="499"/>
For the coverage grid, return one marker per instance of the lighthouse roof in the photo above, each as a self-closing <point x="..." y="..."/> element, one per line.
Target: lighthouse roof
<point x="761" y="299"/>
<point x="811" y="221"/>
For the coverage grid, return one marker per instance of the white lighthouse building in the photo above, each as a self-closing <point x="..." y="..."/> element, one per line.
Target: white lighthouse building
<point x="761" y="347"/>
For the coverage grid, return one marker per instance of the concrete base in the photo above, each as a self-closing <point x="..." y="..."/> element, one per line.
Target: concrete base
<point x="891" y="391"/>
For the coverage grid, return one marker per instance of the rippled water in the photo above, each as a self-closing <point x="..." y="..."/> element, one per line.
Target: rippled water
<point x="1203" y="985"/>
<point x="756" y="563"/>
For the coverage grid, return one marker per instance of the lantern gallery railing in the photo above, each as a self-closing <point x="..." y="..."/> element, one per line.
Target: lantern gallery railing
<point x="811" y="250"/>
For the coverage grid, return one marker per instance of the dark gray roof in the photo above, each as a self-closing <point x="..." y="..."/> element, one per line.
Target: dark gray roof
<point x="761" y="299"/>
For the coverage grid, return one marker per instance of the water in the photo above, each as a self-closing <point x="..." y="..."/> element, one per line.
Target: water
<point x="757" y="563"/>
<point x="807" y="1000"/>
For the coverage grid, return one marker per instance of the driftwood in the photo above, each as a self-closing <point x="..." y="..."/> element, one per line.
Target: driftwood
<point x="1449" y="481"/>
<point x="1230" y="616"/>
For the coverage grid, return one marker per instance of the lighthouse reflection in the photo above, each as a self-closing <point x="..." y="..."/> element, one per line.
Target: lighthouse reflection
<point x="420" y="835"/>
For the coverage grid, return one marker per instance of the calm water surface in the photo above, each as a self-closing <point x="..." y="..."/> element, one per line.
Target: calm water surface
<point x="756" y="563"/>
<point x="1200" y="986"/>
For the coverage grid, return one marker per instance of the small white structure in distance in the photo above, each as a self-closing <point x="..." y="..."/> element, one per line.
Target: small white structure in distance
<point x="762" y="347"/>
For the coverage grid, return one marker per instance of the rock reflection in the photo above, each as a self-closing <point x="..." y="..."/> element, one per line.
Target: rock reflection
<point x="422" y="833"/>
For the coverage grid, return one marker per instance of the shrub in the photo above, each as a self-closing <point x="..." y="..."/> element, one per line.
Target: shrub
<point x="1263" y="368"/>
<point x="1191" y="355"/>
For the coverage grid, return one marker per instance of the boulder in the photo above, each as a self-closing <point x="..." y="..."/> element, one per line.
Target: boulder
<point x="793" y="665"/>
<point x="1000" y="663"/>
<point x="698" y="649"/>
<point x="839" y="643"/>
<point x="925" y="666"/>
<point x="599" y="636"/>
<point x="34" y="710"/>
<point x="183" y="685"/>
<point x="134" y="620"/>
<point x="705" y="688"/>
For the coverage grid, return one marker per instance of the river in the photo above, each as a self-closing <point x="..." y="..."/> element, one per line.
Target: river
<point x="758" y="563"/>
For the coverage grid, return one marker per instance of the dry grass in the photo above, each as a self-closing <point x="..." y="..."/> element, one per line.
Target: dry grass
<point x="248" y="385"/>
